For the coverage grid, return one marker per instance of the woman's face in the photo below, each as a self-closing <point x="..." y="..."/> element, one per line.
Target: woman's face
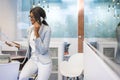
<point x="32" y="18"/>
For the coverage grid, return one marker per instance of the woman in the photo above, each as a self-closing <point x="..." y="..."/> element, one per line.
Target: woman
<point x="38" y="40"/>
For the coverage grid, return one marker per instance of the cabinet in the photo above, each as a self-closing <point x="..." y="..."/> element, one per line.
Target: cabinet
<point x="54" y="56"/>
<point x="56" y="52"/>
<point x="107" y="48"/>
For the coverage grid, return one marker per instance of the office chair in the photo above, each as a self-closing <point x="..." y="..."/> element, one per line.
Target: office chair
<point x="72" y="68"/>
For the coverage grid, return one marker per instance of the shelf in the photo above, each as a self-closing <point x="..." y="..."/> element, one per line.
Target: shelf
<point x="107" y="48"/>
<point x="54" y="57"/>
<point x="56" y="52"/>
<point x="54" y="77"/>
<point x="53" y="72"/>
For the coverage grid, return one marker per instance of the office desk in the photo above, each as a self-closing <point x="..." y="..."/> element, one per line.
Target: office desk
<point x="20" y="59"/>
<point x="15" y="54"/>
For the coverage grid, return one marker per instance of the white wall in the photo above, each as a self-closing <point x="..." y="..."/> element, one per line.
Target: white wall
<point x="8" y="18"/>
<point x="95" y="67"/>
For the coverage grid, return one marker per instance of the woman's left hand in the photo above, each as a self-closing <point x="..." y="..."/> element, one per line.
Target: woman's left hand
<point x="36" y="29"/>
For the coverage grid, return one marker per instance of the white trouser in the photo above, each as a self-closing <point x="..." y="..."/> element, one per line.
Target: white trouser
<point x="31" y="67"/>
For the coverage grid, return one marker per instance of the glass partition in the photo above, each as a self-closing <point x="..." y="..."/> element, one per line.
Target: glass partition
<point x="101" y="20"/>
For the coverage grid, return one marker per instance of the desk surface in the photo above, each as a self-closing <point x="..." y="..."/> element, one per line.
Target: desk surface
<point x="17" y="57"/>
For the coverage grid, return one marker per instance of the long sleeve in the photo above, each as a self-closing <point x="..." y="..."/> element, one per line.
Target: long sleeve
<point x="42" y="43"/>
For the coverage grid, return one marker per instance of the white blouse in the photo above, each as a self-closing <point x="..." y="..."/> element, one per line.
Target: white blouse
<point x="32" y="42"/>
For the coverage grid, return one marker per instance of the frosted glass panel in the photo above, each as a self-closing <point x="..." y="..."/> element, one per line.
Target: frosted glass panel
<point x="62" y="17"/>
<point x="99" y="23"/>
